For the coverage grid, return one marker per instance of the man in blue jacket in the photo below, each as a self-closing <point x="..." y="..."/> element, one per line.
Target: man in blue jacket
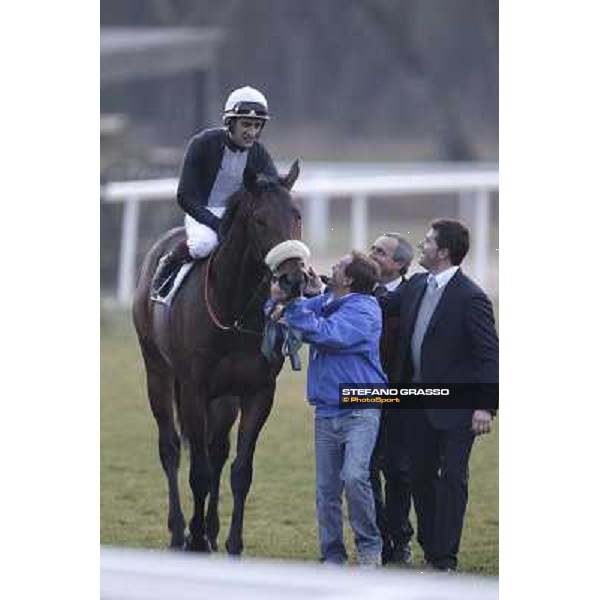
<point x="343" y="327"/>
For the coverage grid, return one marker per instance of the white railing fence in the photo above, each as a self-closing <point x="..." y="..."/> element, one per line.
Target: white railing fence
<point x="158" y="575"/>
<point x="317" y="183"/>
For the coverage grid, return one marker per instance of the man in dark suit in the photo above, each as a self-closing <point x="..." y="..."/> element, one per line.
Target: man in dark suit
<point x="446" y="334"/>
<point x="394" y="255"/>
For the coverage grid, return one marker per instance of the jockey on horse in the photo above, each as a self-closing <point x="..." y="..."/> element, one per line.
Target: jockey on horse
<point x="213" y="169"/>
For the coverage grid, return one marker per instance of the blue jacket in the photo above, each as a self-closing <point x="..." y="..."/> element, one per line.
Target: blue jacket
<point x="344" y="337"/>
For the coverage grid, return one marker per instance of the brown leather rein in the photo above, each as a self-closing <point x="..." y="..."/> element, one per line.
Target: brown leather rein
<point x="235" y="327"/>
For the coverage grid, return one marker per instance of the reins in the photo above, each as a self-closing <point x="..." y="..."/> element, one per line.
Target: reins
<point x="236" y="325"/>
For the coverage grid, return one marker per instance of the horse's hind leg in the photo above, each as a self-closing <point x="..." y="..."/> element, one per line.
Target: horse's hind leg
<point x="194" y="415"/>
<point x="160" y="393"/>
<point x="222" y="413"/>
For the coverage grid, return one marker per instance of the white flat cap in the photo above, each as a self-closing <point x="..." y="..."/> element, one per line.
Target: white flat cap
<point x="284" y="251"/>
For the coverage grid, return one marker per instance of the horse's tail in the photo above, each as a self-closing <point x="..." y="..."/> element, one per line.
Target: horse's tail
<point x="177" y="402"/>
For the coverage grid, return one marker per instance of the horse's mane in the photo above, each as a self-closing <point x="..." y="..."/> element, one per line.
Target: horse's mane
<point x="235" y="201"/>
<point x="260" y="184"/>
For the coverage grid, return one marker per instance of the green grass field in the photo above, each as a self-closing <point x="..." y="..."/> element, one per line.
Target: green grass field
<point x="280" y="511"/>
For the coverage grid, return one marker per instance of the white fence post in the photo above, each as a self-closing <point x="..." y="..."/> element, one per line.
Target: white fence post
<point x="129" y="234"/>
<point x="481" y="234"/>
<point x="465" y="207"/>
<point x="318" y="221"/>
<point x="358" y="223"/>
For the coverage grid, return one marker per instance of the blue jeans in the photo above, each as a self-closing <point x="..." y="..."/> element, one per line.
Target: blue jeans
<point x="343" y="448"/>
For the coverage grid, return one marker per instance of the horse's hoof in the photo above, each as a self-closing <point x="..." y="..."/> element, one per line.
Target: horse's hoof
<point x="177" y="541"/>
<point x="173" y="548"/>
<point x="234" y="550"/>
<point x="193" y="544"/>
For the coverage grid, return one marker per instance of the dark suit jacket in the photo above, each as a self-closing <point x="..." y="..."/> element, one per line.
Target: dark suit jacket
<point x="460" y="345"/>
<point x="387" y="347"/>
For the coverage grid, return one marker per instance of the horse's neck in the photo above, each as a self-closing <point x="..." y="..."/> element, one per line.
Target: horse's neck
<point x="236" y="275"/>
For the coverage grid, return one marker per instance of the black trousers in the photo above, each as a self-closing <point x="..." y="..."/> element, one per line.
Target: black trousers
<point x="439" y="477"/>
<point x="391" y="457"/>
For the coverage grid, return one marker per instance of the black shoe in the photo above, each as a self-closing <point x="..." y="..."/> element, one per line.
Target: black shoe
<point x="386" y="552"/>
<point x="167" y="268"/>
<point x="439" y="567"/>
<point x="402" y="554"/>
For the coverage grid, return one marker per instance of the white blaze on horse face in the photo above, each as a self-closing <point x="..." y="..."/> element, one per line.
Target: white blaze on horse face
<point x="244" y="132"/>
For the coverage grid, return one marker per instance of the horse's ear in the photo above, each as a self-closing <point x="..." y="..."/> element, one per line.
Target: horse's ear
<point x="288" y="181"/>
<point x="250" y="180"/>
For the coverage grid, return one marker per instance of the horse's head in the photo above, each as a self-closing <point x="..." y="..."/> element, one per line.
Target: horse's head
<point x="270" y="214"/>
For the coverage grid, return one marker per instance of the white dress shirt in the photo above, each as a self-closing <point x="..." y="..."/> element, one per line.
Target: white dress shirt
<point x="443" y="277"/>
<point x="392" y="285"/>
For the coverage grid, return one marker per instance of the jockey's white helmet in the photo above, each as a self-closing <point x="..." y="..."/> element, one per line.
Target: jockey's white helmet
<point x="246" y="102"/>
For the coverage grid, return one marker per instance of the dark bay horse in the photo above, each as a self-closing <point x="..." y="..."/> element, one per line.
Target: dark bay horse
<point x="203" y="361"/>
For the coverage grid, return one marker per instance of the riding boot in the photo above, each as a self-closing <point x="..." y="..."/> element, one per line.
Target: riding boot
<point x="167" y="267"/>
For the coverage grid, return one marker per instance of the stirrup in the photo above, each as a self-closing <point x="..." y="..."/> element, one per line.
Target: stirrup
<point x="159" y="279"/>
<point x="158" y="299"/>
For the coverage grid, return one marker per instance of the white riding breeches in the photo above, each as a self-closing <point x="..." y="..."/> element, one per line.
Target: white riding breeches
<point x="201" y="239"/>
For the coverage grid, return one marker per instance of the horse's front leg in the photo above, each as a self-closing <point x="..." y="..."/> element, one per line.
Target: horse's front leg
<point x="222" y="414"/>
<point x="255" y="411"/>
<point x="194" y="414"/>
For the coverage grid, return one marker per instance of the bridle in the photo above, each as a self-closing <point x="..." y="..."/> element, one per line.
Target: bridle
<point x="236" y="326"/>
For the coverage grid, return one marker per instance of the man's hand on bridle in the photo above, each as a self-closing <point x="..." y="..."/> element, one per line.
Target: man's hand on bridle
<point x="315" y="286"/>
<point x="277" y="312"/>
<point x="277" y="294"/>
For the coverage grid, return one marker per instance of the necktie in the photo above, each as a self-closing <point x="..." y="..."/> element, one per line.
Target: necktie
<point x="380" y="291"/>
<point x="426" y="309"/>
<point x="431" y="284"/>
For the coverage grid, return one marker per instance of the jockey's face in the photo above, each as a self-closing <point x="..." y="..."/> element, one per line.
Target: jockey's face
<point x="245" y="131"/>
